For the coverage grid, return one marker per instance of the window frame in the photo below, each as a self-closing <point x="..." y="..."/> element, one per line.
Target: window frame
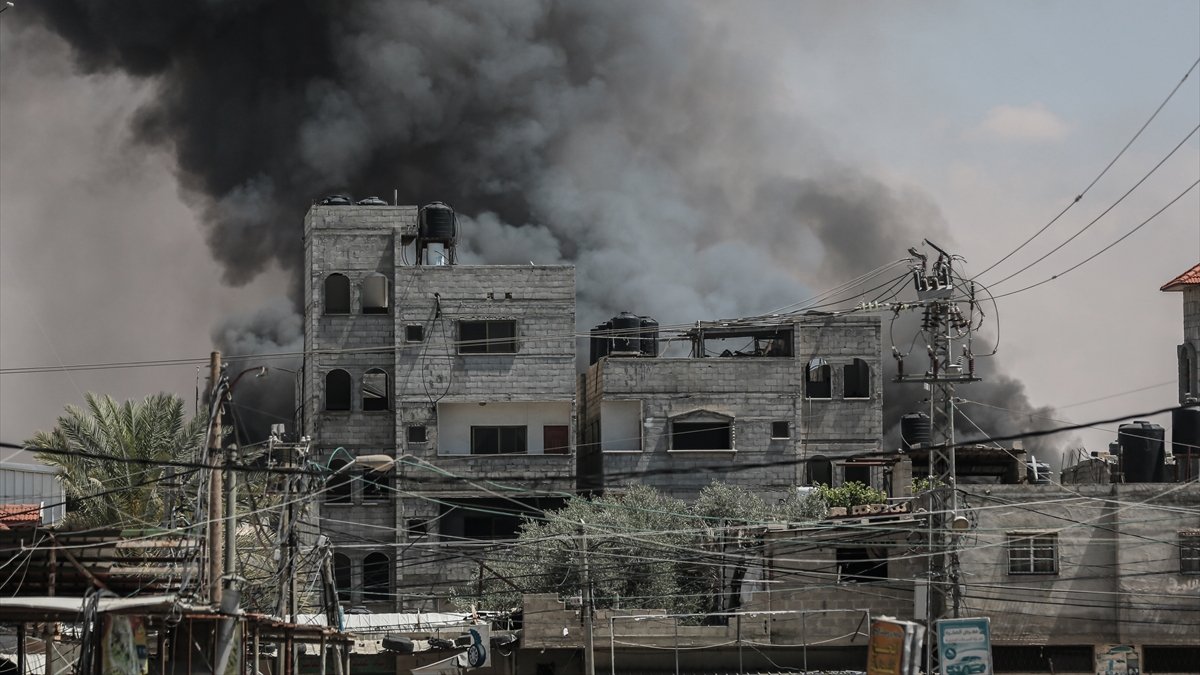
<point x="488" y="345"/>
<point x="1021" y="550"/>
<point x="408" y="332"/>
<point x="1189" y="552"/>
<point x="387" y="391"/>
<point x="787" y="430"/>
<point x="674" y="433"/>
<point x="501" y="429"/>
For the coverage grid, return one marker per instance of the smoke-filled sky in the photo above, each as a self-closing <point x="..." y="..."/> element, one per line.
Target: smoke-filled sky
<point x="694" y="160"/>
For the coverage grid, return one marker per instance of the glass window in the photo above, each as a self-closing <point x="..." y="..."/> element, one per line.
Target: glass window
<point x="1189" y="553"/>
<point x="487" y="337"/>
<point x="1032" y="553"/>
<point x="498" y="440"/>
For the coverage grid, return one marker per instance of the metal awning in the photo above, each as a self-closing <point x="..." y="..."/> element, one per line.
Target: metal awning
<point x="67" y="608"/>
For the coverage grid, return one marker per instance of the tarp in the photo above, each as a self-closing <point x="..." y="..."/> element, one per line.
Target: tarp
<point x="72" y="606"/>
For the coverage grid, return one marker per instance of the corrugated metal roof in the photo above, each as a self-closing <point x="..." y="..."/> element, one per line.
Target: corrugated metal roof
<point x="1188" y="278"/>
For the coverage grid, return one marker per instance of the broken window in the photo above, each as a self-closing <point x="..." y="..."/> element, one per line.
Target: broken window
<point x="337" y="390"/>
<point x="1032" y="553"/>
<point x="487" y="337"/>
<point x="817" y="380"/>
<point x="861" y="564"/>
<point x="375" y="390"/>
<point x="376" y="486"/>
<point x="555" y="439"/>
<point x="414" y="333"/>
<point x="337" y="294"/>
<point x="498" y="440"/>
<point x="416" y="528"/>
<point x="856" y="379"/>
<point x="780" y="430"/>
<point x="1189" y="552"/>
<point x="377" y="577"/>
<point x="820" y="471"/>
<point x="417" y="433"/>
<point x="338" y="487"/>
<point x="702" y="435"/>
<point x="375" y="294"/>
<point x="342" y="576"/>
<point x="856" y="473"/>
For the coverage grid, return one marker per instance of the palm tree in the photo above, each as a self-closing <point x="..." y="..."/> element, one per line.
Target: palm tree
<point x="102" y="492"/>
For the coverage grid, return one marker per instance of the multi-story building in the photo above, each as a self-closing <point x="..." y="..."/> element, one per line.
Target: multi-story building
<point x="799" y="403"/>
<point x="464" y="374"/>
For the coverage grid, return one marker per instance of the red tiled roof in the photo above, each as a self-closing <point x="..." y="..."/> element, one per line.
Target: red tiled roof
<point x="1188" y="278"/>
<point x="20" y="514"/>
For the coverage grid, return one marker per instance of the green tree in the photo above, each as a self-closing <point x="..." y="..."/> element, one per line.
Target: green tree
<point x="102" y="492"/>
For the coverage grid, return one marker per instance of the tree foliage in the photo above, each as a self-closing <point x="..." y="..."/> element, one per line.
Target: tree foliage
<point x="102" y="492"/>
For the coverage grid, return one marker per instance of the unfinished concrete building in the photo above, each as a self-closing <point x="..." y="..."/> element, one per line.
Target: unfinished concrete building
<point x="798" y="403"/>
<point x="464" y="374"/>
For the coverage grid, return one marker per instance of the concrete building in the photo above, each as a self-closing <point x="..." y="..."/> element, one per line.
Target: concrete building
<point x="1188" y="284"/>
<point x="464" y="374"/>
<point x="799" y="404"/>
<point x="34" y="485"/>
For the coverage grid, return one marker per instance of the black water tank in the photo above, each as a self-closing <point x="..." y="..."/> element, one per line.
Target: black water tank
<point x="626" y="328"/>
<point x="1143" y="451"/>
<point x="437" y="222"/>
<point x="599" y="343"/>
<point x="915" y="429"/>
<point x="649" y="344"/>
<point x="1185" y="442"/>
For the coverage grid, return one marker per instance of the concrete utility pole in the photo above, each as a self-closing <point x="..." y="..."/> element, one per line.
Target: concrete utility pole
<point x="216" y="543"/>
<point x="589" y="653"/>
<point x="949" y="331"/>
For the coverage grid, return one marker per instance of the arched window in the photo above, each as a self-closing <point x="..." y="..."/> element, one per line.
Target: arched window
<point x="337" y="294"/>
<point x="817" y="380"/>
<point x="337" y="390"/>
<point x="375" y="390"/>
<point x="377" y="578"/>
<point x="342" y="576"/>
<point x="856" y="379"/>
<point x="338" y="487"/>
<point x="375" y="294"/>
<point x="376" y="485"/>
<point x="820" y="471"/>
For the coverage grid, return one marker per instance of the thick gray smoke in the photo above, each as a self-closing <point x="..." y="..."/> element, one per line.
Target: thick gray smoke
<point x="638" y="140"/>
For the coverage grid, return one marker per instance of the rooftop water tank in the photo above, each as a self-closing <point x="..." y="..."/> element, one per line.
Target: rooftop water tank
<point x="915" y="429"/>
<point x="437" y="222"/>
<point x="1143" y="451"/>
<point x="649" y="342"/>
<point x="626" y="331"/>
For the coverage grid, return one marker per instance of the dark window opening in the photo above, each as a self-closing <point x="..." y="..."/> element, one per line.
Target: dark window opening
<point x="1042" y="659"/>
<point x="337" y="390"/>
<point x="338" y="488"/>
<point x="416" y="528"/>
<point x="818" y="382"/>
<point x="546" y="669"/>
<point x="1166" y="659"/>
<point x="375" y="294"/>
<point x="487" y="526"/>
<point x="337" y="294"/>
<point x="862" y="564"/>
<point x="555" y="439"/>
<point x="376" y="486"/>
<point x="856" y="379"/>
<point x="414" y="333"/>
<point x="1032" y="554"/>
<point x="820" y="471"/>
<point x="1189" y="553"/>
<point x="780" y="430"/>
<point x="377" y="578"/>
<point x="487" y="337"/>
<point x="489" y="518"/>
<point x="498" y="440"/>
<point x="342" y="576"/>
<point x="375" y="390"/>
<point x="856" y="473"/>
<point x="417" y="434"/>
<point x="701" y="436"/>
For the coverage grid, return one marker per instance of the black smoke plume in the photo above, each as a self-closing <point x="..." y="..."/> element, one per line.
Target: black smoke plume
<point x="638" y="140"/>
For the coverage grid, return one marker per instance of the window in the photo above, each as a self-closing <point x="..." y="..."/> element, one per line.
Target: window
<point x="376" y="486"/>
<point x="817" y="380"/>
<point x="1189" y="552"/>
<point x="417" y="434"/>
<point x="862" y="564"/>
<point x="337" y="390"/>
<point x="338" y="488"/>
<point x="416" y="528"/>
<point x="342" y="576"/>
<point x="337" y="294"/>
<point x="555" y="439"/>
<point x="375" y="294"/>
<point x="487" y="337"/>
<point x="1032" y="553"/>
<point x="702" y="435"/>
<point x="856" y="379"/>
<point x="487" y="526"/>
<point x="498" y="440"/>
<point x="820" y="471"/>
<point x="375" y="390"/>
<point x="856" y="473"/>
<point x="377" y="578"/>
<point x="780" y="430"/>
<point x="414" y="333"/>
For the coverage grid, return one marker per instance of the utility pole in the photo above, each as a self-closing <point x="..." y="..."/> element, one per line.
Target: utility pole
<point x="216" y="551"/>
<point x="951" y="362"/>
<point x="589" y="653"/>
